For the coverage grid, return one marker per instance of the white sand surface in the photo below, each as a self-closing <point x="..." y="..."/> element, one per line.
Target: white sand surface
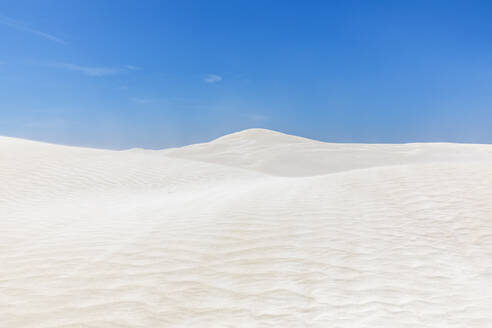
<point x="254" y="229"/>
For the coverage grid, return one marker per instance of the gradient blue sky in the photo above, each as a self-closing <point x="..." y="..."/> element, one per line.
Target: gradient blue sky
<point x="119" y="74"/>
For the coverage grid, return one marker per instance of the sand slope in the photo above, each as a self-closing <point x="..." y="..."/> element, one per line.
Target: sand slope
<point x="254" y="229"/>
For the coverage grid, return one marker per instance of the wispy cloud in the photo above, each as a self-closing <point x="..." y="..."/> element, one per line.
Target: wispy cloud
<point x="141" y="101"/>
<point x="95" y="71"/>
<point x="212" y="78"/>
<point x="131" y="67"/>
<point x="20" y="26"/>
<point x="258" y="117"/>
<point x="88" y="70"/>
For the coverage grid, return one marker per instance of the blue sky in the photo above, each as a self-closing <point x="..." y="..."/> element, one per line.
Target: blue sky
<point x="155" y="74"/>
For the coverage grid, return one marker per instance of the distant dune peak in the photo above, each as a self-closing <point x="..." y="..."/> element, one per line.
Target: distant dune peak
<point x="260" y="135"/>
<point x="277" y="153"/>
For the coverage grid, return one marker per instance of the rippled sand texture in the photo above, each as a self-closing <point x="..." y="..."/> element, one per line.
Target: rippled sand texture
<point x="254" y="229"/>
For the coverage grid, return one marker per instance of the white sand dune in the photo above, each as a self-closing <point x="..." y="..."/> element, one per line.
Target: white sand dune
<point x="254" y="229"/>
